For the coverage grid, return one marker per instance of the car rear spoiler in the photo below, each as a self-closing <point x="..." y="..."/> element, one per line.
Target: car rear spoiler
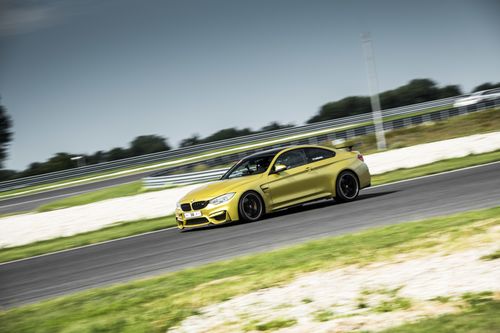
<point x="349" y="147"/>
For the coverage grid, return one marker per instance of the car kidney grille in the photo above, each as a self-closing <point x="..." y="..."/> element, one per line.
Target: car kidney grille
<point x="199" y="205"/>
<point x="186" y="207"/>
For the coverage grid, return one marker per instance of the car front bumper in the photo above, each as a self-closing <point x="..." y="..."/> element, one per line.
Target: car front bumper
<point x="218" y="214"/>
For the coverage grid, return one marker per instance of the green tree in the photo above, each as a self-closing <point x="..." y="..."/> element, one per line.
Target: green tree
<point x="348" y="106"/>
<point x="415" y="91"/>
<point x="7" y="174"/>
<point x="191" y="141"/>
<point x="147" y="144"/>
<point x="486" y="86"/>
<point x="5" y="133"/>
<point x="274" y="126"/>
<point x="227" y="133"/>
<point x="450" y="91"/>
<point x="60" y="161"/>
<point x="117" y="154"/>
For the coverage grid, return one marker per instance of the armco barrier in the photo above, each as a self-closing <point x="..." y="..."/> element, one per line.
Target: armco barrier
<point x="183" y="179"/>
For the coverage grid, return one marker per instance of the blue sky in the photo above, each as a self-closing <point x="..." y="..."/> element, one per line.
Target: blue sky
<point x="80" y="76"/>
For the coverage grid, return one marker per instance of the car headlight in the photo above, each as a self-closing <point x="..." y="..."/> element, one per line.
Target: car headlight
<point x="222" y="199"/>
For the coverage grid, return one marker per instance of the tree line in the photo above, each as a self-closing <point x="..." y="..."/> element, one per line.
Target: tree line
<point x="416" y="91"/>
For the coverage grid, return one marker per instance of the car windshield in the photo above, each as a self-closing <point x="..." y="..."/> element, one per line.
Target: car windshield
<point x="249" y="166"/>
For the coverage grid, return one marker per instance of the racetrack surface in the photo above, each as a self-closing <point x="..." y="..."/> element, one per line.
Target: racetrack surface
<point x="169" y="250"/>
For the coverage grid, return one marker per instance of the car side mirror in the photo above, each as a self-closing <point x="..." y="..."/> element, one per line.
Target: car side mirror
<point x="279" y="167"/>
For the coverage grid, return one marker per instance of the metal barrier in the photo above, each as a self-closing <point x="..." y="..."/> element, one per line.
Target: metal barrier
<point x="197" y="149"/>
<point x="183" y="179"/>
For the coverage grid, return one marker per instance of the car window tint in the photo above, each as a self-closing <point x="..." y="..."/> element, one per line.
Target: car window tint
<point x="292" y="158"/>
<point x="249" y="166"/>
<point x="318" y="154"/>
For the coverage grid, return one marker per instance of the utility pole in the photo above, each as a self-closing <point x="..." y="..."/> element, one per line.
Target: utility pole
<point x="373" y="88"/>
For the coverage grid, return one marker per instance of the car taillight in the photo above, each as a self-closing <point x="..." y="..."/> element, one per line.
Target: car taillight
<point x="360" y="157"/>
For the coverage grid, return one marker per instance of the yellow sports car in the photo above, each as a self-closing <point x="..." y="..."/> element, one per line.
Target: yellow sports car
<point x="272" y="180"/>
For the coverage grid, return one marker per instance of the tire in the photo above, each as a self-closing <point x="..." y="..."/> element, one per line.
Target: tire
<point x="250" y="207"/>
<point x="346" y="187"/>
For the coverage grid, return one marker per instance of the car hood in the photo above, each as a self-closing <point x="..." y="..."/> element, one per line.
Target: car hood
<point x="220" y="187"/>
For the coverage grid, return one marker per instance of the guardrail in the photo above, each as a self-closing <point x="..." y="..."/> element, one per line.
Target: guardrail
<point x="197" y="149"/>
<point x="183" y="179"/>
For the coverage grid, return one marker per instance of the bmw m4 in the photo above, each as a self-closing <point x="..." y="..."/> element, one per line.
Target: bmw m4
<point x="275" y="179"/>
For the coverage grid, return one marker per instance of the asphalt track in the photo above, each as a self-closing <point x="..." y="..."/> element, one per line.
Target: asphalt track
<point x="169" y="250"/>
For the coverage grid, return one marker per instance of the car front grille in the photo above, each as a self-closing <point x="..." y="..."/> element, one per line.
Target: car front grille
<point x="186" y="207"/>
<point x="196" y="221"/>
<point x="199" y="205"/>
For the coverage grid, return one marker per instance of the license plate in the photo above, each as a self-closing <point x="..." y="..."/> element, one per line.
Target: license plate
<point x="192" y="215"/>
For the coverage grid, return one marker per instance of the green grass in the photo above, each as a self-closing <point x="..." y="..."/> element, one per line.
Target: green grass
<point x="112" y="232"/>
<point x="436" y="167"/>
<point x="272" y="325"/>
<point x="323" y="315"/>
<point x="94" y="196"/>
<point x="155" y="304"/>
<point x="397" y="303"/>
<point x="480" y="318"/>
<point x="493" y="256"/>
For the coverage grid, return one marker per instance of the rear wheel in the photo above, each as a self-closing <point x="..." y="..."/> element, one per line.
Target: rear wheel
<point x="250" y="207"/>
<point x="347" y="186"/>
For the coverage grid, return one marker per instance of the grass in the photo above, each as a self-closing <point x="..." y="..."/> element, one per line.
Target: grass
<point x="95" y="196"/>
<point x="397" y="303"/>
<point x="112" y="232"/>
<point x="137" y="227"/>
<point x="272" y="325"/>
<point x="323" y="315"/>
<point x="493" y="256"/>
<point x="156" y="304"/>
<point x="480" y="318"/>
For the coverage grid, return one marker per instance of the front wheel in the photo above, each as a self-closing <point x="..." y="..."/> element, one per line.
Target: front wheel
<point x="250" y="207"/>
<point x="347" y="186"/>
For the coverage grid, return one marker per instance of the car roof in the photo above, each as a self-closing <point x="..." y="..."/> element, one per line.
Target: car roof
<point x="275" y="151"/>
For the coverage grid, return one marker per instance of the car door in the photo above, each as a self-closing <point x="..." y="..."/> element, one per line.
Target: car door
<point x="321" y="173"/>
<point x="292" y="184"/>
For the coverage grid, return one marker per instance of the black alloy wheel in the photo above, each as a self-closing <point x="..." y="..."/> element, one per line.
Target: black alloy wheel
<point x="347" y="186"/>
<point x="250" y="207"/>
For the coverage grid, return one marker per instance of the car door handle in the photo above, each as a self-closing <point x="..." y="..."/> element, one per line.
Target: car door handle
<point x="308" y="169"/>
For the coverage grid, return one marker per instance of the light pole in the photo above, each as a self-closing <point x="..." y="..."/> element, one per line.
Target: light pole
<point x="373" y="88"/>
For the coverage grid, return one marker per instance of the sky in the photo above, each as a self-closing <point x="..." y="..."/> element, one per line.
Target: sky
<point x="86" y="75"/>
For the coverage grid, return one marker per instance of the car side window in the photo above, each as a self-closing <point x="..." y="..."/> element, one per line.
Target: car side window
<point x="318" y="154"/>
<point x="292" y="158"/>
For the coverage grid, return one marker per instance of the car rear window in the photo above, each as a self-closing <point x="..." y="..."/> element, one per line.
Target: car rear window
<point x="318" y="154"/>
